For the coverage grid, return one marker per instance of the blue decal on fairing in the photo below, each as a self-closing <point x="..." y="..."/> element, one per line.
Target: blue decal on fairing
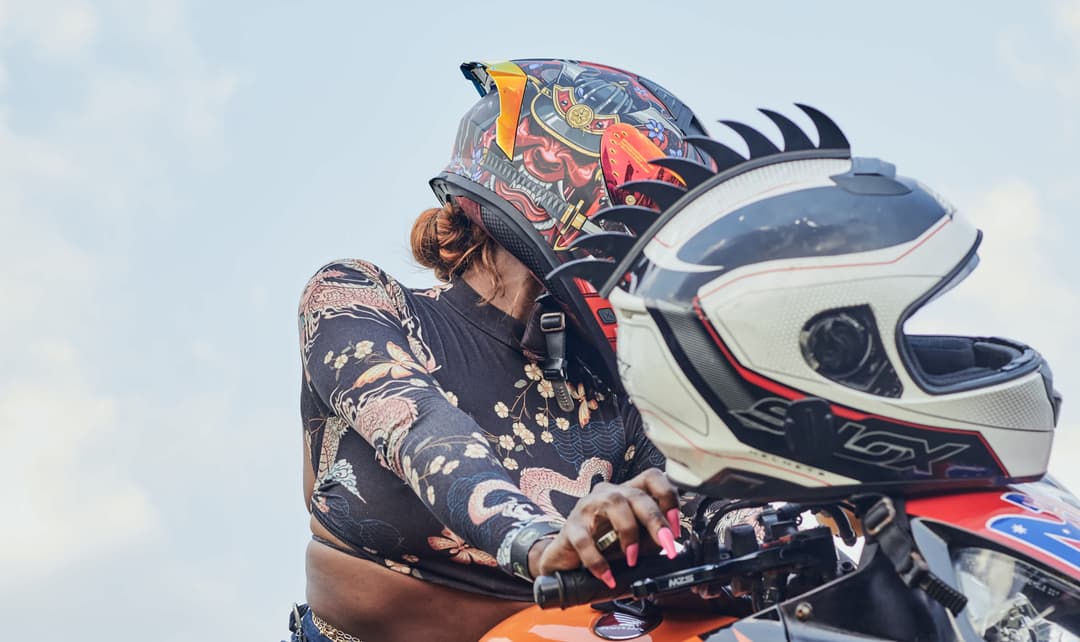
<point x="1055" y="537"/>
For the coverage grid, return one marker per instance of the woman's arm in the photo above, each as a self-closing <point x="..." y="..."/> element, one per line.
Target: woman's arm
<point x="364" y="356"/>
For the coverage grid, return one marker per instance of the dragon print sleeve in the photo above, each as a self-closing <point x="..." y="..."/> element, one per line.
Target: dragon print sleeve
<point x="368" y="362"/>
<point x="433" y="433"/>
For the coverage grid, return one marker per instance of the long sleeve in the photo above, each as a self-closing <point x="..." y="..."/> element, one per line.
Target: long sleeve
<point x="365" y="357"/>
<point x="641" y="453"/>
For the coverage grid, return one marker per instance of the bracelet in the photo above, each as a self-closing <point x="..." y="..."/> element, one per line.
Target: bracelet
<point x="521" y="542"/>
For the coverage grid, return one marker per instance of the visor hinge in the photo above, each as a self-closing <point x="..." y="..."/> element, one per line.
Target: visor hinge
<point x="553" y="325"/>
<point x="887" y="525"/>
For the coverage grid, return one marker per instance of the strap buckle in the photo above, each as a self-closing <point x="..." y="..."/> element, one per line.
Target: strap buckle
<point x="552" y="322"/>
<point x="873" y="525"/>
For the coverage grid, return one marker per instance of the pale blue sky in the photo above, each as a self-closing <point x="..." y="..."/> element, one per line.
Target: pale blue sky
<point x="172" y="172"/>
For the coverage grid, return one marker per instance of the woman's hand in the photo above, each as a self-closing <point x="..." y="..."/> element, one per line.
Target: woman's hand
<point x="647" y="501"/>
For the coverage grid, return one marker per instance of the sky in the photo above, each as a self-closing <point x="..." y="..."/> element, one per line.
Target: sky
<point x="172" y="172"/>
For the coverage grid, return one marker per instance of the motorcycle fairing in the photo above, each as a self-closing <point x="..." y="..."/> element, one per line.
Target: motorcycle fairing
<point x="576" y="624"/>
<point x="1040" y="520"/>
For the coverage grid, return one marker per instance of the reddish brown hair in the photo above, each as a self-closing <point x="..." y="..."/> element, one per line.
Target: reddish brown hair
<point x="447" y="241"/>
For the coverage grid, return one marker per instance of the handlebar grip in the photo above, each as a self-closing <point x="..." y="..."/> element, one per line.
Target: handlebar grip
<point x="569" y="588"/>
<point x="564" y="589"/>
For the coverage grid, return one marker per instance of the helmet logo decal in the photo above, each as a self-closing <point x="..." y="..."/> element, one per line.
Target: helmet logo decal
<point x="856" y="442"/>
<point x="579" y="116"/>
<point x="890" y="450"/>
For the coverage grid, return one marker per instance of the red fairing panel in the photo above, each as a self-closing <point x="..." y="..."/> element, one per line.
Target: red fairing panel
<point x="1038" y="520"/>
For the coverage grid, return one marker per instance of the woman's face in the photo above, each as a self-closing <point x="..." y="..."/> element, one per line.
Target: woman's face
<point x="514" y="273"/>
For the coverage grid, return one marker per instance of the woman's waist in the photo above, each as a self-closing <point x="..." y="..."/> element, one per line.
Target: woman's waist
<point x="367" y="600"/>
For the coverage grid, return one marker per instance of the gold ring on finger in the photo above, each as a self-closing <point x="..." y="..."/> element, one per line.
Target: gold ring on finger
<point x="607" y="540"/>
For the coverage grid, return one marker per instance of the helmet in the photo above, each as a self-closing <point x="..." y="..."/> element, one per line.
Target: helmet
<point x="549" y="145"/>
<point x="762" y="333"/>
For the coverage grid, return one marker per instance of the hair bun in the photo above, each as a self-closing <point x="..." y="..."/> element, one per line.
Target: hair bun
<point x="444" y="239"/>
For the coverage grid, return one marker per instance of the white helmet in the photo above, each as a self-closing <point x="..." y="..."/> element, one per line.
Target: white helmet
<point x="761" y="331"/>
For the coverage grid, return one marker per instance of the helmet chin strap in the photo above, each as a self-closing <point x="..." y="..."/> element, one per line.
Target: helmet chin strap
<point x="553" y="326"/>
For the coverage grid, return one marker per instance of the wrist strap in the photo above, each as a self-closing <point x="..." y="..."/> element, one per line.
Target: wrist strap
<point x="522" y="541"/>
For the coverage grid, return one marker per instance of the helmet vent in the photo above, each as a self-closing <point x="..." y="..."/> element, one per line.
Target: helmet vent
<point x="843" y="345"/>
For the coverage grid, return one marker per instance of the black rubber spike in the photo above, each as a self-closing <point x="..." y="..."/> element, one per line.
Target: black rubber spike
<point x="595" y="271"/>
<point x="693" y="174"/>
<point x="661" y="193"/>
<point x="795" y="139"/>
<point x="613" y="244"/>
<point x="758" y="143"/>
<point x="829" y="134"/>
<point x="722" y="155"/>
<point x="636" y="218"/>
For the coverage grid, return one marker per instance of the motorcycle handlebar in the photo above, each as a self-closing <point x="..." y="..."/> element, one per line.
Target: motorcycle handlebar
<point x="570" y="588"/>
<point x="564" y="589"/>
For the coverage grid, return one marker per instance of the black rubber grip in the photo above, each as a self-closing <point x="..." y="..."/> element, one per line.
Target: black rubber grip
<point x="570" y="588"/>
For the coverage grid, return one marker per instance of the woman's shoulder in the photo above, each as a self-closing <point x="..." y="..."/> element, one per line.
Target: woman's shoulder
<point x="351" y="283"/>
<point x="346" y="268"/>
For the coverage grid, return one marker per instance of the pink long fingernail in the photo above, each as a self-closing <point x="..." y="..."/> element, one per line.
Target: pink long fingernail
<point x="631" y="555"/>
<point x="607" y="578"/>
<point x="667" y="540"/>
<point x="673" y="519"/>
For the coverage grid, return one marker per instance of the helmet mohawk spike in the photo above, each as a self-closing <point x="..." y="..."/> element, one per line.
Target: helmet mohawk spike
<point x="693" y="174"/>
<point x="758" y="143"/>
<point x="612" y="244"/>
<point x="795" y="139"/>
<point x="595" y="271"/>
<point x="662" y="193"/>
<point x="829" y="134"/>
<point x="722" y="155"/>
<point x="636" y="218"/>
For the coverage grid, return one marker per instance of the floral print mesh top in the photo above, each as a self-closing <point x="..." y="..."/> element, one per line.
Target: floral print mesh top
<point x="434" y="437"/>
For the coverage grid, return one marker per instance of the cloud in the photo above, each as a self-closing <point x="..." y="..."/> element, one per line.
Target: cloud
<point x="1021" y="286"/>
<point x="66" y="500"/>
<point x="83" y="171"/>
<point x="1029" y="63"/>
<point x="62" y="30"/>
<point x="64" y="506"/>
<point x="1067" y="16"/>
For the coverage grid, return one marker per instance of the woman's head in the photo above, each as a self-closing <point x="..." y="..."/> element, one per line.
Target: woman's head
<point x="550" y="144"/>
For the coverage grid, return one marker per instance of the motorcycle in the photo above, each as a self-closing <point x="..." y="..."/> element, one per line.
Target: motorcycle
<point x="999" y="565"/>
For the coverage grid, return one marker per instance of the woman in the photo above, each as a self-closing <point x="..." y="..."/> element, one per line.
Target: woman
<point x="461" y="440"/>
